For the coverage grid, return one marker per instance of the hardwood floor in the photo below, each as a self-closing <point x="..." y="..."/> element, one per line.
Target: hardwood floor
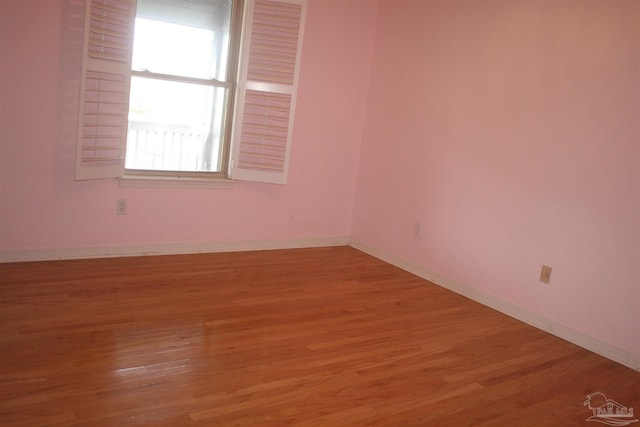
<point x="310" y="337"/>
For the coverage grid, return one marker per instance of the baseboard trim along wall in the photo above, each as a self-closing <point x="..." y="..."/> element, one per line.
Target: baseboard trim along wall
<point x="568" y="334"/>
<point x="167" y="249"/>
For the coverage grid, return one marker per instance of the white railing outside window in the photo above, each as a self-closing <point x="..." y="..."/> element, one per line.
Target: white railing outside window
<point x="171" y="147"/>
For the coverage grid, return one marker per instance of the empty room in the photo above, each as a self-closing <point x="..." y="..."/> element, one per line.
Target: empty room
<point x="319" y="213"/>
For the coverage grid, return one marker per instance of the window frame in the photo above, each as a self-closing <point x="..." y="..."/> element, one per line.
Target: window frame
<point x="235" y="38"/>
<point x="109" y="28"/>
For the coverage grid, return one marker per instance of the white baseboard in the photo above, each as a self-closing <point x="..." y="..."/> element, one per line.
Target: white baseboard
<point x="166" y="249"/>
<point x="568" y="334"/>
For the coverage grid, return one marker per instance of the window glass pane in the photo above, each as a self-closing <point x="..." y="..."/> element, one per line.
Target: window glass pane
<point x="183" y="37"/>
<point x="175" y="126"/>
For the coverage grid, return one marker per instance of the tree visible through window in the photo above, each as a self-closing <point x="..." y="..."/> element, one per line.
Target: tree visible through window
<point x="180" y="91"/>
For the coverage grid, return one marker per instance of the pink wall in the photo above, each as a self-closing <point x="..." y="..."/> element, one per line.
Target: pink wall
<point x="511" y="131"/>
<point x="43" y="207"/>
<point x="507" y="129"/>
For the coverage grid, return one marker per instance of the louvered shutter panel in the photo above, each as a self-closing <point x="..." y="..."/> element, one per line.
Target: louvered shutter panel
<point x="104" y="88"/>
<point x="266" y="97"/>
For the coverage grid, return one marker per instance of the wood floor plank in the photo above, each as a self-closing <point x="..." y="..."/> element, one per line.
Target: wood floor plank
<point x="305" y="337"/>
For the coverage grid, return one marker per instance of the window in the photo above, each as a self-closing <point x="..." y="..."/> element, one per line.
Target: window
<point x="174" y="100"/>
<point x="179" y="88"/>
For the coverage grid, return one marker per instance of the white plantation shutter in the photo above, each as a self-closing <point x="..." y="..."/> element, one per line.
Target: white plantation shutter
<point x="263" y="120"/>
<point x="104" y="88"/>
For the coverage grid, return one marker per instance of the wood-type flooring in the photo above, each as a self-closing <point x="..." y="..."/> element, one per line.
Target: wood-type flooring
<point x="303" y="337"/>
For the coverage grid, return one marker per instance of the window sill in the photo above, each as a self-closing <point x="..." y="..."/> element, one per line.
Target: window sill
<point x="142" y="181"/>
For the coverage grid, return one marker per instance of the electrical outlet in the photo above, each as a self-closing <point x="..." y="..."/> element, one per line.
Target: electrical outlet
<point x="121" y="207"/>
<point x="545" y="274"/>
